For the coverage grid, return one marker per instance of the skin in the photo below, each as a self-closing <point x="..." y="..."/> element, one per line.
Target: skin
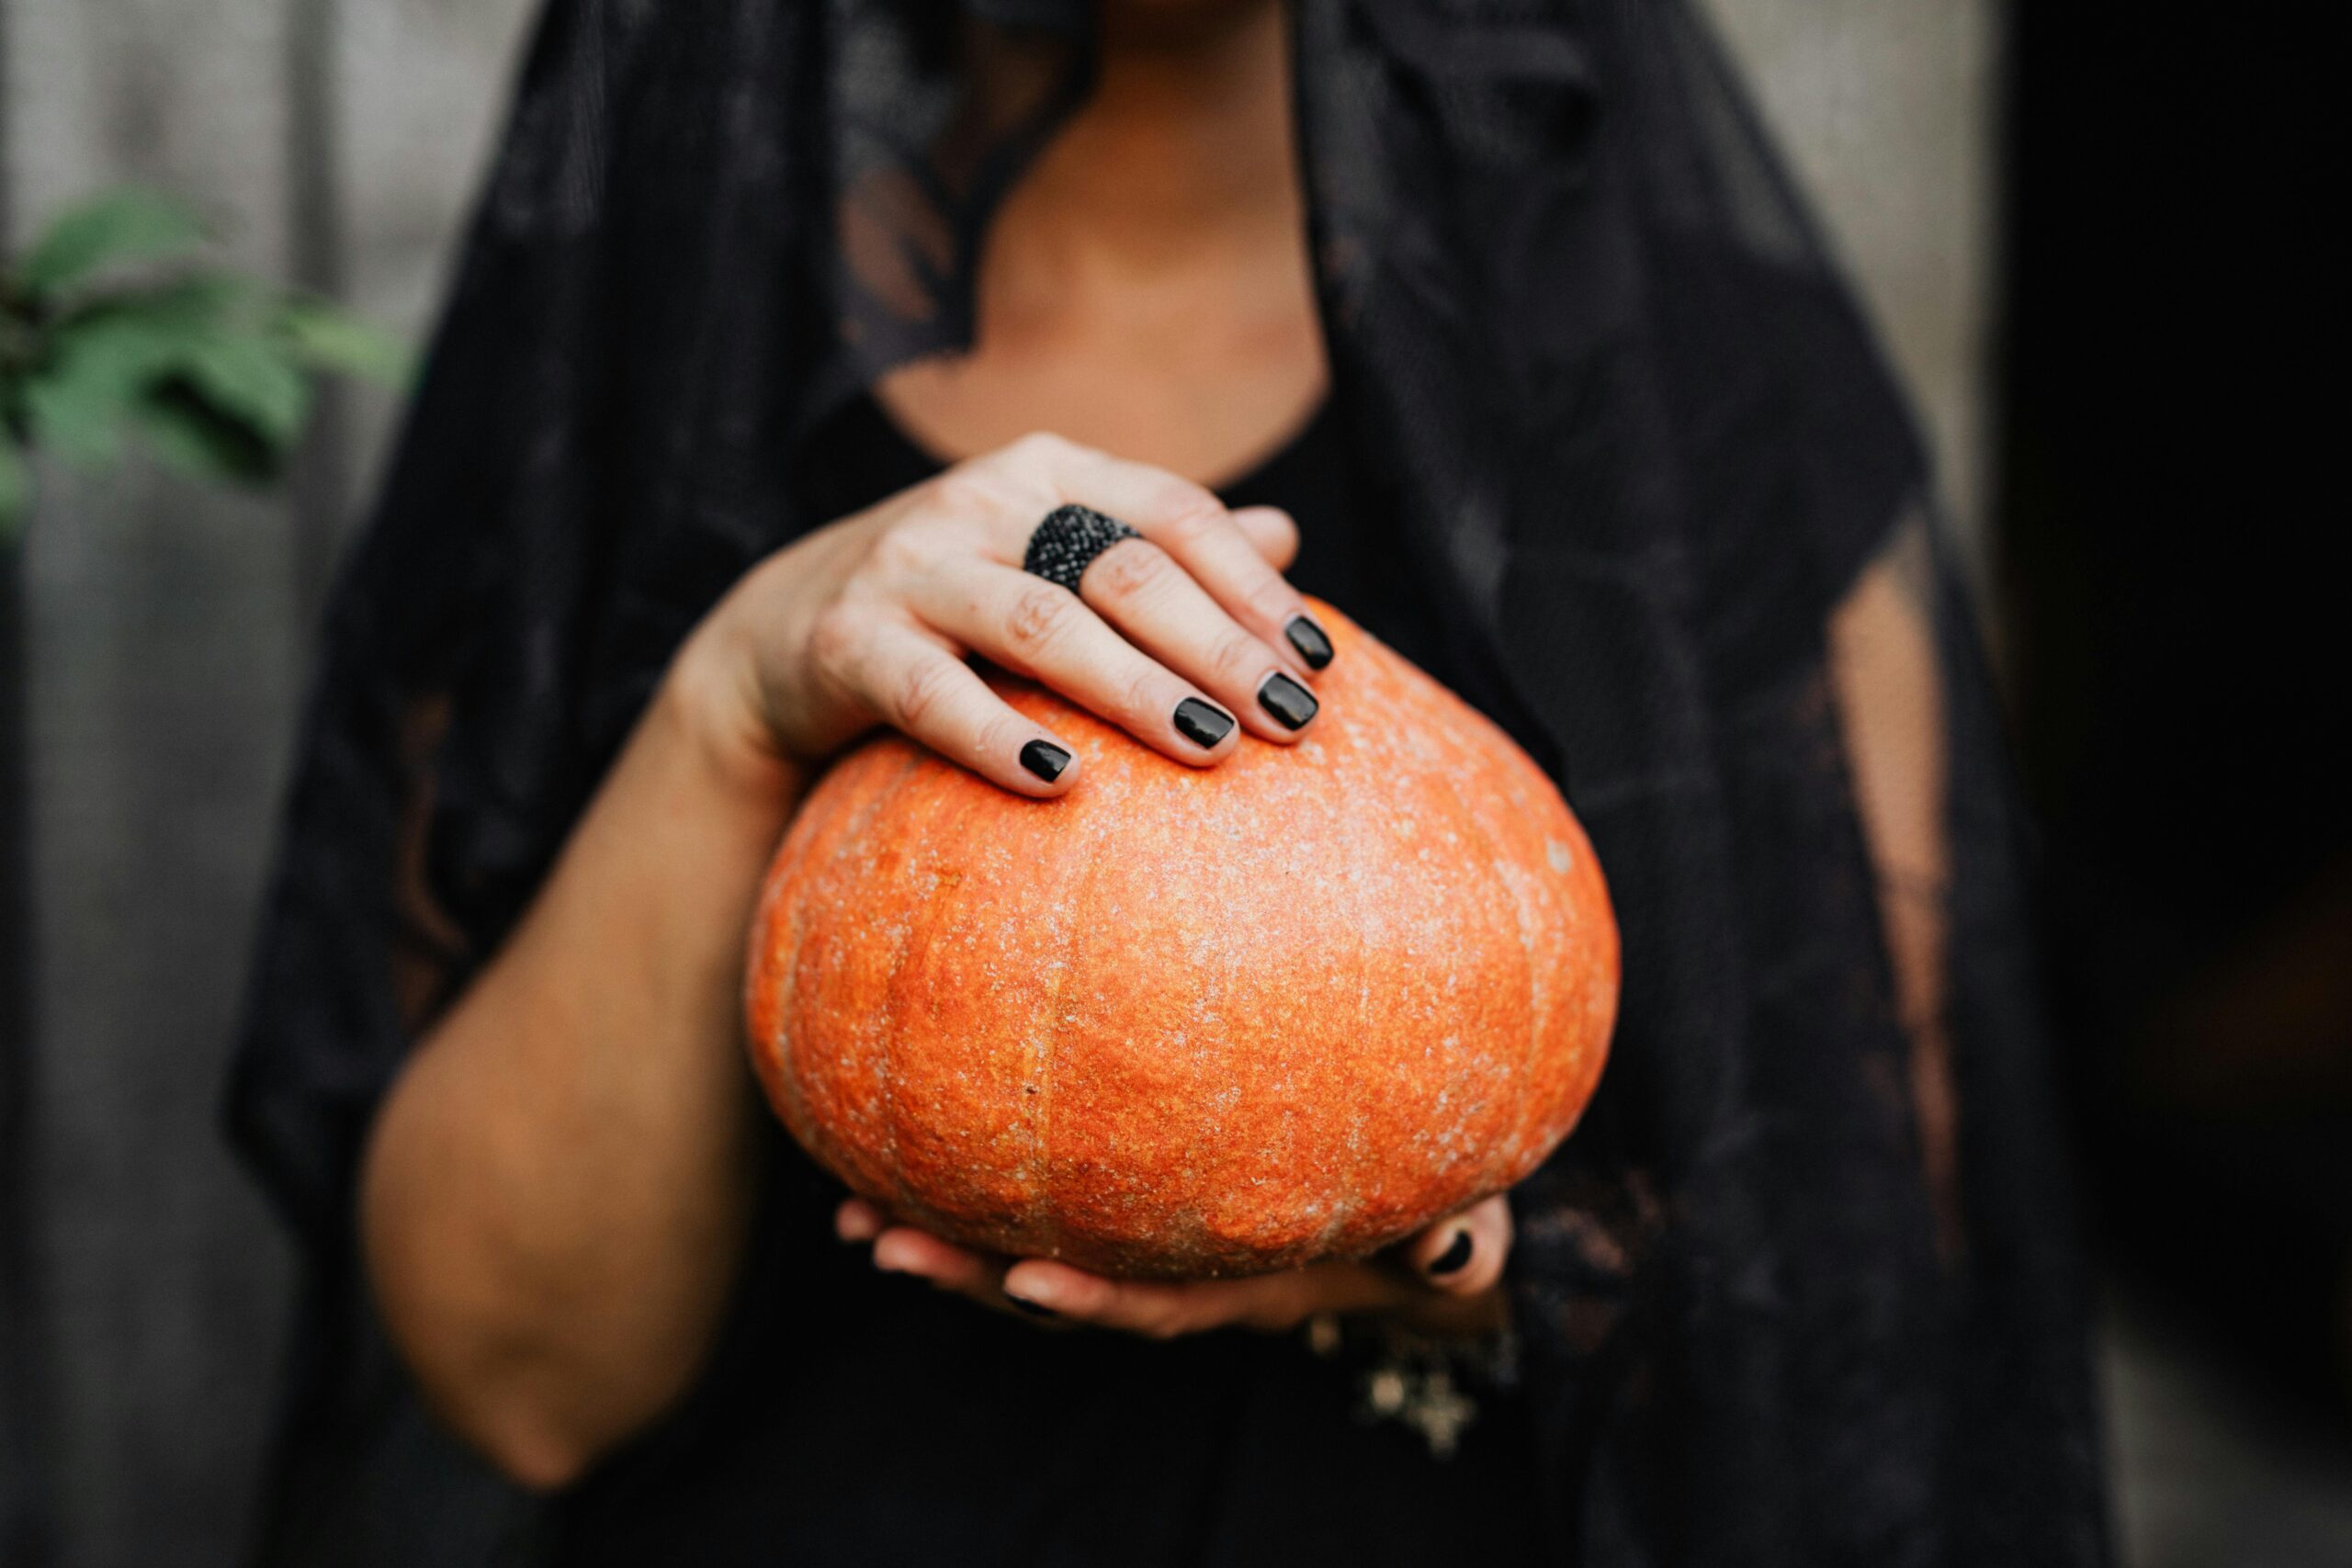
<point x="557" y="1191"/>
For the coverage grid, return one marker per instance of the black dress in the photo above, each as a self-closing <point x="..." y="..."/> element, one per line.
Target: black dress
<point x="1801" y="1291"/>
<point x="861" y="1418"/>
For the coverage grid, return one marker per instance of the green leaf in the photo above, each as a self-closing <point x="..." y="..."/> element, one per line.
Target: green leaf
<point x="202" y="439"/>
<point x="121" y="346"/>
<point x="107" y="366"/>
<point x="250" y="377"/>
<point x="15" y="489"/>
<point x="74" y="422"/>
<point x="72" y="413"/>
<point x="97" y="371"/>
<point x="326" y="338"/>
<point x="198" y="299"/>
<point x="112" y="230"/>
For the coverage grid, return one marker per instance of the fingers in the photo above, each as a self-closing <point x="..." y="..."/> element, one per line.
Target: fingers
<point x="857" y="1221"/>
<point x="1457" y="1259"/>
<point x="825" y="638"/>
<point x="1464" y="1256"/>
<point x="1191" y="525"/>
<point x="919" y="686"/>
<point x="1037" y="629"/>
<point x="1228" y="560"/>
<point x="1139" y="495"/>
<point x="1198" y="591"/>
<point x="1183" y="638"/>
<point x="1140" y="589"/>
<point x="1269" y="1303"/>
<point x="1222" y="559"/>
<point x="1271" y="533"/>
<point x="902" y="1249"/>
<point x="1449" y="1269"/>
<point x="1059" y="1295"/>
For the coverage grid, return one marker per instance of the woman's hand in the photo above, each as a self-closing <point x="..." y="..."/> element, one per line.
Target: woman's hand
<point x="870" y="620"/>
<point x="1442" y="1280"/>
<point x="560" y="1183"/>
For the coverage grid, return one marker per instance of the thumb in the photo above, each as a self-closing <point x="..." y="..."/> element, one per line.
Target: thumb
<point x="1464" y="1256"/>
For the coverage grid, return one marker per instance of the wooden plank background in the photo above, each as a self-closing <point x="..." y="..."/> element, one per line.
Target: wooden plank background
<point x="335" y="142"/>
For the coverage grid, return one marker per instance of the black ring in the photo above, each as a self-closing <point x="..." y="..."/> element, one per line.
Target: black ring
<point x="1067" y="542"/>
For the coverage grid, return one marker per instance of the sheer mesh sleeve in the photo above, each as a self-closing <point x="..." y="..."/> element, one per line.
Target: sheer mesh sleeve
<point x="1801" y="1290"/>
<point x="1886" y="672"/>
<point x="428" y="947"/>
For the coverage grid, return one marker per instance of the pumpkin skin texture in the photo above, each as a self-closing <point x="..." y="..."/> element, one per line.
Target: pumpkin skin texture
<point x="1183" y="1023"/>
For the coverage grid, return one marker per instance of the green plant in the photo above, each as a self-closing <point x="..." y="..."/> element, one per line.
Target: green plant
<point x="111" y="331"/>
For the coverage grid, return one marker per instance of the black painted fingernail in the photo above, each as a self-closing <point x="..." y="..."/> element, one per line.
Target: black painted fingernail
<point x="1455" y="1259"/>
<point x="1044" y="759"/>
<point x="1308" y="639"/>
<point x="1032" y="1308"/>
<point x="1286" y="700"/>
<point x="1203" y="724"/>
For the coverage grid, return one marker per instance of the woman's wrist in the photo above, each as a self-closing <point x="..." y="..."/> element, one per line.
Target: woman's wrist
<point x="708" y="708"/>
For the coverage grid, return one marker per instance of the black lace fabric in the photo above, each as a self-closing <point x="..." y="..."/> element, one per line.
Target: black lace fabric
<point x="1802" y="1288"/>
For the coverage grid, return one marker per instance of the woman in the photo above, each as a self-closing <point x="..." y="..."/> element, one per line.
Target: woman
<point x="1496" y="327"/>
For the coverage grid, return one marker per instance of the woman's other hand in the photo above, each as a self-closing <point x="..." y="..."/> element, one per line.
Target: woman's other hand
<point x="871" y="619"/>
<point x="1443" y="1279"/>
<point x="560" y="1183"/>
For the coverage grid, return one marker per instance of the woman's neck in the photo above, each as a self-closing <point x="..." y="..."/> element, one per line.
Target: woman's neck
<point x="1145" y="288"/>
<point x="1187" y="142"/>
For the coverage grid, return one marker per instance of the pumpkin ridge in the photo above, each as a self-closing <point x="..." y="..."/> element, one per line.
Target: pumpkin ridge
<point x="1045" y="835"/>
<point x="1388" y="988"/>
<point x="1448" y="783"/>
<point x="1362" y="859"/>
<point x="913" y="864"/>
<point x="1039" y="1216"/>
<point x="1504" y="1152"/>
<point x="1338" y="745"/>
<point x="862" y="814"/>
<point x="777" y="1053"/>
<point x="1053" y="1190"/>
<point x="1342" y="1234"/>
<point x="1085" y="1190"/>
<point x="786" y="984"/>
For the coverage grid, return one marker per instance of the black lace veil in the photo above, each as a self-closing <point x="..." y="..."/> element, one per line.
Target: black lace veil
<point x="1801" y="1289"/>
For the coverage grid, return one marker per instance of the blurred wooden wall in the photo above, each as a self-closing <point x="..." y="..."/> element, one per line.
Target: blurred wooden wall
<point x="335" y="144"/>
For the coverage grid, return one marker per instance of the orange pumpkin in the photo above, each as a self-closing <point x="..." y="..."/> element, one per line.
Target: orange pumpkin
<point x="1190" y="1022"/>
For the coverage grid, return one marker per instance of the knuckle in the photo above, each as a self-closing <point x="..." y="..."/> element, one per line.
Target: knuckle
<point x="1147" y="700"/>
<point x="972" y="490"/>
<point x="1195" y="519"/>
<point x="903" y="548"/>
<point x="1129" y="569"/>
<point x="998" y="737"/>
<point x="834" y="637"/>
<point x="1039" y="617"/>
<point x="1237" y="656"/>
<point x="1272" y="598"/>
<point x="1040" y="446"/>
<point x="922" y="690"/>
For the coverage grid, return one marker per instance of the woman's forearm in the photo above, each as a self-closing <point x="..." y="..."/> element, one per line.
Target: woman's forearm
<point x="557" y="1191"/>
